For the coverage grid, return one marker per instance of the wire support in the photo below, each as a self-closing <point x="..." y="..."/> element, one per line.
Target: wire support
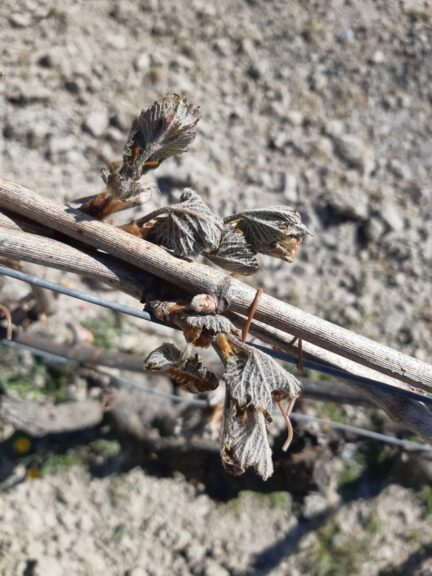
<point x="312" y="365"/>
<point x="202" y="403"/>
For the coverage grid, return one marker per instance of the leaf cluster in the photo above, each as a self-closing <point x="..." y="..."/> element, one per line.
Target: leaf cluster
<point x="254" y="381"/>
<point x="188" y="229"/>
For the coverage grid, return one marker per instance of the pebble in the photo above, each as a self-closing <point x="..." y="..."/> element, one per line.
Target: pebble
<point x="96" y="123"/>
<point x="290" y="188"/>
<point x="137" y="572"/>
<point x="295" y="117"/>
<point x="345" y="36"/>
<point x="21" y="20"/>
<point x="142" y="62"/>
<point x="60" y="144"/>
<point x="214" y="569"/>
<point x="378" y="57"/>
<point x="374" y="229"/>
<point x="117" y="42"/>
<point x="352" y="203"/>
<point x="353" y="151"/>
<point x="47" y="566"/>
<point x="391" y="216"/>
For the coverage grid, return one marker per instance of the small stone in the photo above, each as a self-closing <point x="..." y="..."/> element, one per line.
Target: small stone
<point x="378" y="57"/>
<point x="374" y="229"/>
<point x="137" y="572"/>
<point x="335" y="128"/>
<point x="350" y="203"/>
<point x="345" y="36"/>
<point x="142" y="62"/>
<point x="278" y="141"/>
<point x="116" y="41"/>
<point x="96" y="123"/>
<point x="47" y="566"/>
<point x="314" y="504"/>
<point x="21" y="20"/>
<point x="214" y="569"/>
<point x="295" y="117"/>
<point x="290" y="188"/>
<point x="391" y="216"/>
<point x="59" y="145"/>
<point x="353" y="151"/>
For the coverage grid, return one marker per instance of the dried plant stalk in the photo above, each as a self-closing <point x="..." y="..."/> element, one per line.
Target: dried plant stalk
<point x="197" y="278"/>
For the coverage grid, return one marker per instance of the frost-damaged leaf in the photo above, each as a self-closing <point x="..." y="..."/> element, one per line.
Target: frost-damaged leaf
<point x="165" y="129"/>
<point x="189" y="373"/>
<point x="276" y="231"/>
<point x="121" y="186"/>
<point x="187" y="228"/>
<point x="212" y="325"/>
<point x="254" y="378"/>
<point x="244" y="440"/>
<point x="234" y="253"/>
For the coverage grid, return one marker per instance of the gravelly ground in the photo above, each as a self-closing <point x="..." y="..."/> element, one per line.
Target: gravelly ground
<point x="137" y="525"/>
<point x="323" y="106"/>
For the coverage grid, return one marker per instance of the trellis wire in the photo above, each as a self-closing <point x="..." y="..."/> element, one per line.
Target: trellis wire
<point x="57" y="358"/>
<point x="326" y="369"/>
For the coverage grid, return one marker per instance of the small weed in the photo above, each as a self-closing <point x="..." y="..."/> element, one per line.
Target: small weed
<point x="272" y="500"/>
<point x="350" y="474"/>
<point x="118" y="491"/>
<point x="119" y="533"/>
<point x="371" y="463"/>
<point x="324" y="377"/>
<point x="335" y="554"/>
<point x="41" y="381"/>
<point x="57" y="463"/>
<point x="47" y="462"/>
<point x="105" y="448"/>
<point x="105" y="330"/>
<point x="332" y="411"/>
<point x="372" y="524"/>
<point x="426" y="499"/>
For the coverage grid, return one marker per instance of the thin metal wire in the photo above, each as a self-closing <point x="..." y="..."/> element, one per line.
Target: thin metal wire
<point x="57" y="358"/>
<point x="326" y="369"/>
<point x="50" y="356"/>
<point x="29" y="278"/>
<point x="343" y="375"/>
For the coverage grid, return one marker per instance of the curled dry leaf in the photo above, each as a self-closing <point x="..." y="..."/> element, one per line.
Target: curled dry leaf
<point x="187" y="229"/>
<point x="165" y="129"/>
<point x="210" y="326"/>
<point x="199" y="329"/>
<point x="256" y="379"/>
<point x="234" y="253"/>
<point x="189" y="373"/>
<point x="121" y="185"/>
<point x="244" y="440"/>
<point x="276" y="231"/>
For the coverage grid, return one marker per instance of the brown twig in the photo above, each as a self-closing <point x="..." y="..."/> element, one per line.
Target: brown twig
<point x="198" y="278"/>
<point x="285" y="413"/>
<point x="251" y="314"/>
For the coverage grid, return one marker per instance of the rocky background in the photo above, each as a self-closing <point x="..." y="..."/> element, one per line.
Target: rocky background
<point x="322" y="106"/>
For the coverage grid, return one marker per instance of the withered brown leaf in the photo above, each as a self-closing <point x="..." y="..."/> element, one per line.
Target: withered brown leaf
<point x="189" y="373"/>
<point x="165" y="129"/>
<point x="254" y="378"/>
<point x="234" y="253"/>
<point x="188" y="228"/>
<point x="211" y="325"/>
<point x="276" y="231"/>
<point x="244" y="441"/>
